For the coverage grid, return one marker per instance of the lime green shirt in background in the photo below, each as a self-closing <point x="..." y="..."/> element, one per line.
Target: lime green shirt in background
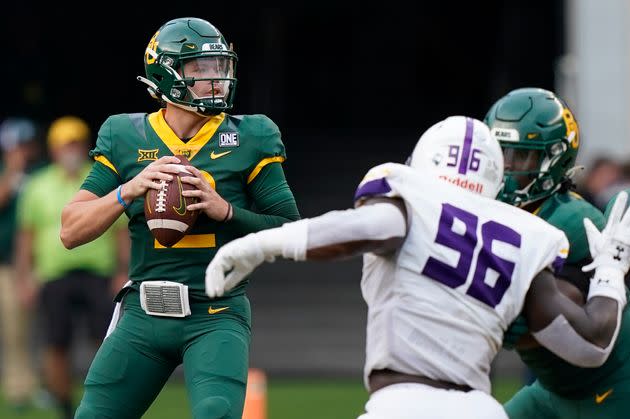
<point x="39" y="210"/>
<point x="8" y="220"/>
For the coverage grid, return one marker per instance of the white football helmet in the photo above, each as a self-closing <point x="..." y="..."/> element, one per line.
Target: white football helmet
<point x="461" y="151"/>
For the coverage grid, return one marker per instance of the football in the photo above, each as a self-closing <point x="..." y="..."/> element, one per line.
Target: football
<point x="165" y="209"/>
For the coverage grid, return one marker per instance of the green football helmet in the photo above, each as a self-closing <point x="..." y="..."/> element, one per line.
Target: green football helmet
<point x="188" y="63"/>
<point x="540" y="140"/>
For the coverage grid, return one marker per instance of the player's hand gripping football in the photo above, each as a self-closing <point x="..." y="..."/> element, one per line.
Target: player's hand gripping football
<point x="209" y="201"/>
<point x="232" y="263"/>
<point x="150" y="177"/>
<point x="610" y="248"/>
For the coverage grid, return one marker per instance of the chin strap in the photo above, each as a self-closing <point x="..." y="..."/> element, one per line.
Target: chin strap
<point x="566" y="184"/>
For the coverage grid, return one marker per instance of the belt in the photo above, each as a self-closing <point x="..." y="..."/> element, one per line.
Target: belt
<point x="386" y="377"/>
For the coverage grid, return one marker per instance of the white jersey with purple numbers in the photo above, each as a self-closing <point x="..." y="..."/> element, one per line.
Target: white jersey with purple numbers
<point x="440" y="305"/>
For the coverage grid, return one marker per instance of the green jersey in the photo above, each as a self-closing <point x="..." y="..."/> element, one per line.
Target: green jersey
<point x="612" y="201"/>
<point x="236" y="155"/>
<point x="566" y="211"/>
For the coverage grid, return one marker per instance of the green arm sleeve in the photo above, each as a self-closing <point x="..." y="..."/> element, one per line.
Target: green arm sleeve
<point x="273" y="200"/>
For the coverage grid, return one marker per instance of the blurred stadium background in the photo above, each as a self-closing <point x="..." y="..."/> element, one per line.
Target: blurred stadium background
<point x="350" y="86"/>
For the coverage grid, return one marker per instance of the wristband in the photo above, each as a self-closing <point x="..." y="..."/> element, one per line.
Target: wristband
<point x="229" y="212"/>
<point x="608" y="282"/>
<point x="119" y="197"/>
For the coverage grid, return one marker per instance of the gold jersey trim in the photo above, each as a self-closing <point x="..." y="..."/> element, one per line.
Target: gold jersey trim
<point x="175" y="144"/>
<point x="263" y="163"/>
<point x="102" y="159"/>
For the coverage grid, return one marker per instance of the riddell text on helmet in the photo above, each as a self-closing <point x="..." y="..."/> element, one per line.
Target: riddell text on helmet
<point x="464" y="183"/>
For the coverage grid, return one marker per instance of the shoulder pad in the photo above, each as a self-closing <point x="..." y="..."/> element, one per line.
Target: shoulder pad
<point x="375" y="183"/>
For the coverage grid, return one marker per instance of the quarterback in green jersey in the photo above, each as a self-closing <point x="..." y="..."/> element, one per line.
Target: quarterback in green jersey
<point x="235" y="167"/>
<point x="540" y="140"/>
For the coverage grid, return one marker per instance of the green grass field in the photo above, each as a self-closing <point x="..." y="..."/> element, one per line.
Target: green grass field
<point x="287" y="399"/>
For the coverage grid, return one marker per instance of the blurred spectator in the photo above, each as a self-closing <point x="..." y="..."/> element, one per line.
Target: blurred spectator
<point x="622" y="183"/>
<point x="67" y="285"/>
<point x="20" y="154"/>
<point x="603" y="174"/>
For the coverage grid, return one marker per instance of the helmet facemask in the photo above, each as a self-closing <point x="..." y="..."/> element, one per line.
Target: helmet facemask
<point x="533" y="170"/>
<point x="203" y="84"/>
<point x="208" y="81"/>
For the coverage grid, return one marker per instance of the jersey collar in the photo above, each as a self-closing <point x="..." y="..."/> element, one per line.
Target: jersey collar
<point x="188" y="149"/>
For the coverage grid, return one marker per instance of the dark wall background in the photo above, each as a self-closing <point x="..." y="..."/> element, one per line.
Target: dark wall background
<point x="349" y="85"/>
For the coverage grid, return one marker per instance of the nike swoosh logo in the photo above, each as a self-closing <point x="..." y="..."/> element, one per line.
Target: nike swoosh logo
<point x="181" y="210"/>
<point x="216" y="310"/>
<point x="599" y="399"/>
<point x="214" y="155"/>
<point x="191" y="46"/>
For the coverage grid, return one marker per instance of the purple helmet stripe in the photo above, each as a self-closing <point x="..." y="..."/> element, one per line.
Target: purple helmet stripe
<point x="373" y="188"/>
<point x="463" y="164"/>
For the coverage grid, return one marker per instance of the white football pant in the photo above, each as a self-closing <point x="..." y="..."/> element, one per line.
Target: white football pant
<point x="416" y="401"/>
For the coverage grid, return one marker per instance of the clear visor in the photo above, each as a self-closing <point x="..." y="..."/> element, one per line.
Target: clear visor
<point x="209" y="77"/>
<point x="207" y="68"/>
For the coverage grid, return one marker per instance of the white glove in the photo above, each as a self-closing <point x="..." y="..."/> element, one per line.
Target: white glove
<point x="610" y="250"/>
<point x="232" y="263"/>
<point x="237" y="259"/>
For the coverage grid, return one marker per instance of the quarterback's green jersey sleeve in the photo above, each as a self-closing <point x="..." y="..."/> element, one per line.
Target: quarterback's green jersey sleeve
<point x="273" y="201"/>
<point x="101" y="180"/>
<point x="269" y="146"/>
<point x="103" y="177"/>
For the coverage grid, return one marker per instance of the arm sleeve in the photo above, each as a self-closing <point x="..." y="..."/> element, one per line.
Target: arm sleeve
<point x="274" y="203"/>
<point x="379" y="221"/>
<point x="104" y="177"/>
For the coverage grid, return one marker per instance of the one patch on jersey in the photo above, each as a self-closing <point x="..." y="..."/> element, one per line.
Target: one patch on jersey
<point x="144" y="155"/>
<point x="228" y="139"/>
<point x="505" y="134"/>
